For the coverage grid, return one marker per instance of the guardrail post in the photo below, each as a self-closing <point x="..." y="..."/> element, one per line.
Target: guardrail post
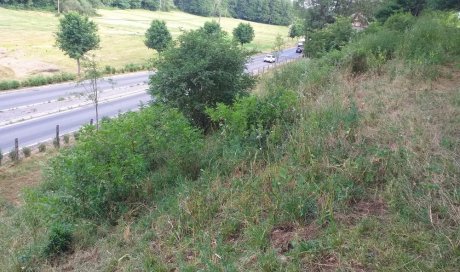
<point x="91" y="121"/>
<point x="58" y="143"/>
<point x="16" y="149"/>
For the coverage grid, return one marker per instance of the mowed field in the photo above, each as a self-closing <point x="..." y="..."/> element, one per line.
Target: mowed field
<point x="27" y="43"/>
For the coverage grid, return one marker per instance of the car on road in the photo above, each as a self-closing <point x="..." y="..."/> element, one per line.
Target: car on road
<point x="269" y="58"/>
<point x="299" y="50"/>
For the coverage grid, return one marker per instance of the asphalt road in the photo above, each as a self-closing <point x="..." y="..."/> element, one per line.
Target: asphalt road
<point x="43" y="128"/>
<point x="43" y="94"/>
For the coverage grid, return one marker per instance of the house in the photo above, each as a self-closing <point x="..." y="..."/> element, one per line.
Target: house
<point x="359" y="21"/>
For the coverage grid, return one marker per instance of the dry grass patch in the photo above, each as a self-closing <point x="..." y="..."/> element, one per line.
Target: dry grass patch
<point x="27" y="173"/>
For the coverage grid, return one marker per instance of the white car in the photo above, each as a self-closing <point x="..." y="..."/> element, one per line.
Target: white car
<point x="269" y="58"/>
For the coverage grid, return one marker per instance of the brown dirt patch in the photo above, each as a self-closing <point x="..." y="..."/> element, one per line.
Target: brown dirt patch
<point x="80" y="257"/>
<point x="25" y="174"/>
<point x="363" y="209"/>
<point x="281" y="237"/>
<point x="326" y="262"/>
<point x="14" y="64"/>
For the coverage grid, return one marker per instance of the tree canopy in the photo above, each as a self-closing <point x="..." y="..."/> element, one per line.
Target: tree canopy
<point x="277" y="12"/>
<point x="157" y="36"/>
<point x="243" y="33"/>
<point x="295" y="30"/>
<point x="76" y="36"/>
<point x="205" y="68"/>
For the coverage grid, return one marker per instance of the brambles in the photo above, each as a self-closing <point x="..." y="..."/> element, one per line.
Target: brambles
<point x="66" y="139"/>
<point x="59" y="239"/>
<point x="26" y="151"/>
<point x="42" y="147"/>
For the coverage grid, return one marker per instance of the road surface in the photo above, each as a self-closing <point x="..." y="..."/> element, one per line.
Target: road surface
<point x="40" y="129"/>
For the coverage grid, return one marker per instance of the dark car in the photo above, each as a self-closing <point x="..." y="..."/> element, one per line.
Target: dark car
<point x="299" y="50"/>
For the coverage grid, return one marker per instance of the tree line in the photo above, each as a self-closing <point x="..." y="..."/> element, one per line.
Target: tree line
<point x="88" y="6"/>
<point x="277" y="12"/>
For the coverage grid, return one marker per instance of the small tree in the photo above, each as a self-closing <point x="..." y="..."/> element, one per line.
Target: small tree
<point x="76" y="36"/>
<point x="157" y="36"/>
<point x="212" y="27"/>
<point x="92" y="75"/>
<point x="243" y="33"/>
<point x="203" y="70"/>
<point x="278" y="46"/>
<point x="295" y="30"/>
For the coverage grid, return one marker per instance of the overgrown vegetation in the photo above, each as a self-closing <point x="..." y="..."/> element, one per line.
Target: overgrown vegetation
<point x="36" y="81"/>
<point x="205" y="68"/>
<point x="348" y="161"/>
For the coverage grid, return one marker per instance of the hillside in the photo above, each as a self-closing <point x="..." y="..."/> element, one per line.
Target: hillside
<point x="345" y="162"/>
<point x="27" y="39"/>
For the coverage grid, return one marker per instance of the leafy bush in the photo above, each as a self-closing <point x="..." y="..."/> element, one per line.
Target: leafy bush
<point x="109" y="169"/>
<point x="109" y="70"/>
<point x="433" y="39"/>
<point x="59" y="239"/>
<point x="192" y="77"/>
<point x="66" y="139"/>
<point x="26" y="151"/>
<point x="13" y="155"/>
<point x="56" y="142"/>
<point x="1" y="156"/>
<point x="254" y="118"/>
<point x="76" y="135"/>
<point x="334" y="36"/>
<point x="42" y="147"/>
<point x="400" y="22"/>
<point x="9" y="85"/>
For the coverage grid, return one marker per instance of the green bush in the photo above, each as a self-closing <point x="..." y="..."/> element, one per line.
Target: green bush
<point x="76" y="135"/>
<point x="434" y="39"/>
<point x="56" y="142"/>
<point x="13" y="155"/>
<point x="66" y="139"/>
<point x="334" y="36"/>
<point x="109" y="169"/>
<point x="59" y="239"/>
<point x="26" y="151"/>
<point x="400" y="22"/>
<point x="9" y="84"/>
<point x="254" y="118"/>
<point x="42" y="147"/>
<point x="1" y="156"/>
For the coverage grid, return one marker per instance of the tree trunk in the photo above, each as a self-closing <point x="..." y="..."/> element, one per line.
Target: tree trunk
<point x="78" y="66"/>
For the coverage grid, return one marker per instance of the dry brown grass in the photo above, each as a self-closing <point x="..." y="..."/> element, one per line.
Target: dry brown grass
<point x="26" y="173"/>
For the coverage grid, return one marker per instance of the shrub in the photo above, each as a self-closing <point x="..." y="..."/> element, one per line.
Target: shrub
<point x="358" y="62"/>
<point x="108" y="170"/>
<point x="9" y="84"/>
<point x="66" y="139"/>
<point x="1" y="156"/>
<point x="26" y="151"/>
<point x="42" y="147"/>
<point x="76" y="135"/>
<point x="59" y="239"/>
<point x="254" y="118"/>
<point x="334" y="36"/>
<point x="433" y="39"/>
<point x="13" y="155"/>
<point x="192" y="86"/>
<point x="109" y="70"/>
<point x="56" y="142"/>
<point x="400" y="22"/>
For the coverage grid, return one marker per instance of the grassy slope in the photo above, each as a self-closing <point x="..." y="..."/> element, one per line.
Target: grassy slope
<point x="27" y="36"/>
<point x="368" y="181"/>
